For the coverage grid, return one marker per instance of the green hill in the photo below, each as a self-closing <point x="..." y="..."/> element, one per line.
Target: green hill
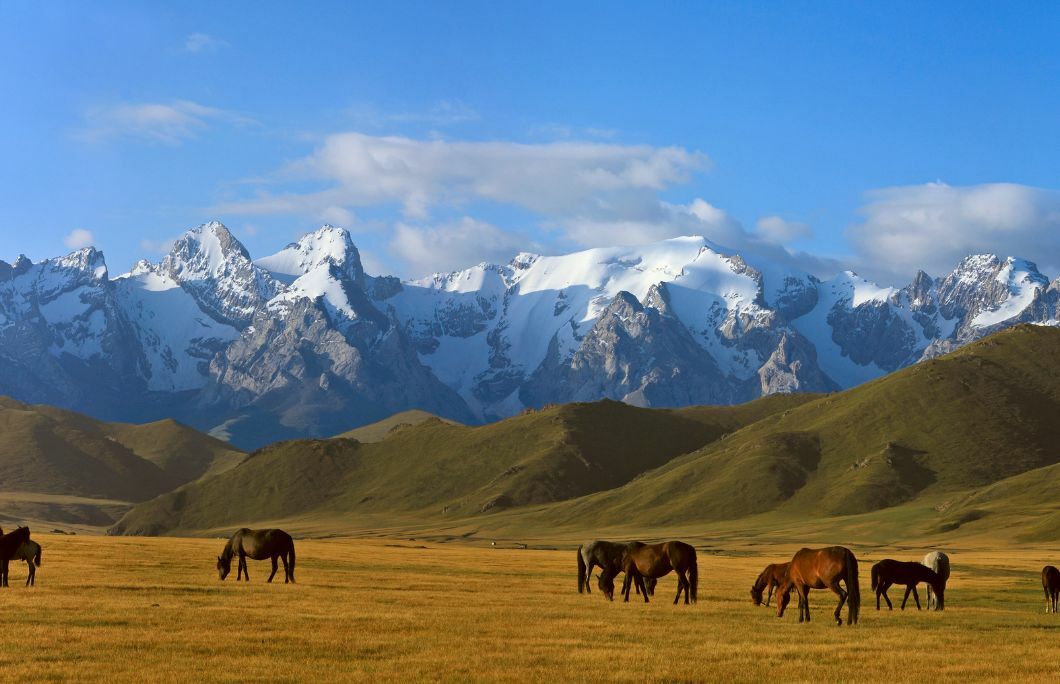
<point x="48" y="454"/>
<point x="377" y="432"/>
<point x="440" y="470"/>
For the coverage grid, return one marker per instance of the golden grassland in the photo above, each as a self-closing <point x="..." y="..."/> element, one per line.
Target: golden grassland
<point x="134" y="608"/>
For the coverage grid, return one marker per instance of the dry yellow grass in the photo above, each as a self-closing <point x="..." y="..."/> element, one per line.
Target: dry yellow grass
<point x="130" y="608"/>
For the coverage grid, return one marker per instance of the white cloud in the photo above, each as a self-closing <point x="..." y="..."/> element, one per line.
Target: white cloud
<point x="781" y="231"/>
<point x="933" y="226"/>
<point x="157" y="246"/>
<point x="169" y="123"/>
<point x="78" y="238"/>
<point x="453" y="246"/>
<point x="560" y="179"/>
<point x="203" y="42"/>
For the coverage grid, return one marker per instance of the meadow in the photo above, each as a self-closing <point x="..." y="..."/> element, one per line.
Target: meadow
<point x="121" y="608"/>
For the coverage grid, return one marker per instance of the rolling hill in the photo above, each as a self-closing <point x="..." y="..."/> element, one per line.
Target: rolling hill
<point x="60" y="466"/>
<point x="442" y="470"/>
<point x="960" y="442"/>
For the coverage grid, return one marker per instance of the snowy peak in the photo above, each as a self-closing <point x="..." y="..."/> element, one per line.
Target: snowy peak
<point x="327" y="246"/>
<point x="984" y="290"/>
<point x="215" y="268"/>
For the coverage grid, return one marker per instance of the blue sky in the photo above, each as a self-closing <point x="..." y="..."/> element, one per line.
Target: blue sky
<point x="882" y="137"/>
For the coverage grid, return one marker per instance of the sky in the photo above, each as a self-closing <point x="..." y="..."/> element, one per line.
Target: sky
<point x="881" y="137"/>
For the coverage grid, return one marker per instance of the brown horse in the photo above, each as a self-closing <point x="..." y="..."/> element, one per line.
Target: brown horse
<point x="889" y="572"/>
<point x="822" y="569"/>
<point x="257" y="545"/>
<point x="655" y="561"/>
<point x="1051" y="584"/>
<point x="770" y="578"/>
<point x="9" y="546"/>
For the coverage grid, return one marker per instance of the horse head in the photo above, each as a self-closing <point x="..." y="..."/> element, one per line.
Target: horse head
<point x="756" y="595"/>
<point x="606" y="583"/>
<point x="223" y="567"/>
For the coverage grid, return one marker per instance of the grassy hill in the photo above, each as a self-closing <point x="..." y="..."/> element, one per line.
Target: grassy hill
<point x="48" y="454"/>
<point x="957" y="445"/>
<point x="442" y="470"/>
<point x="377" y="432"/>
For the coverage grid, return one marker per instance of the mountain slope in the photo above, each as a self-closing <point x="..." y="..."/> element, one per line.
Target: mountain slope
<point x="441" y="470"/>
<point x="53" y="452"/>
<point x="964" y="421"/>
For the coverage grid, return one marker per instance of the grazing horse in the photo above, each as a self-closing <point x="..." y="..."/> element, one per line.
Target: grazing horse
<point x="654" y="561"/>
<point x="9" y="545"/>
<point x="1051" y="584"/>
<point x="940" y="563"/>
<point x="822" y="569"/>
<point x="607" y="556"/>
<point x="29" y="552"/>
<point x="889" y="572"/>
<point x="770" y="578"/>
<point x="257" y="545"/>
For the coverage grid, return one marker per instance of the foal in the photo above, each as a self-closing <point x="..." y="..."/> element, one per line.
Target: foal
<point x="889" y="572"/>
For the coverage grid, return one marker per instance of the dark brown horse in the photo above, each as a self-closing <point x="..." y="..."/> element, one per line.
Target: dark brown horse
<point x="608" y="557"/>
<point x="655" y="561"/>
<point x="9" y="546"/>
<point x="257" y="545"/>
<point x="889" y="572"/>
<point x="770" y="578"/>
<point x="1051" y="584"/>
<point x="822" y="569"/>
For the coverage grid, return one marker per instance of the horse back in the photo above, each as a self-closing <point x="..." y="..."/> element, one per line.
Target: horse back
<point x="261" y="544"/>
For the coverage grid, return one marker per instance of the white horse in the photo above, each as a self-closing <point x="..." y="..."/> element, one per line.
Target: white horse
<point x="940" y="563"/>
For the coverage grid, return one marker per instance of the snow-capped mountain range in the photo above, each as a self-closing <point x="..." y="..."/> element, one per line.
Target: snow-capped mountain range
<point x="303" y="342"/>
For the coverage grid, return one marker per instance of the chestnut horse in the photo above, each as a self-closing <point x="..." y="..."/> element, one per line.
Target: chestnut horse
<point x="889" y="572"/>
<point x="822" y="569"/>
<point x="654" y="561"/>
<point x="770" y="578"/>
<point x="1051" y="584"/>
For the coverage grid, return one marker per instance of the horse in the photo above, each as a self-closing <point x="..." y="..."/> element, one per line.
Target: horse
<point x="257" y="545"/>
<point x="1051" y="584"/>
<point x="770" y="578"/>
<point x="9" y="545"/>
<point x="607" y="556"/>
<point x="654" y="561"/>
<point x="29" y="552"/>
<point x="822" y="569"/>
<point x="940" y="563"/>
<point x="889" y="572"/>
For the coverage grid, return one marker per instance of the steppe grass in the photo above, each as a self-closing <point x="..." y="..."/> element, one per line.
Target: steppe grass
<point x="152" y="609"/>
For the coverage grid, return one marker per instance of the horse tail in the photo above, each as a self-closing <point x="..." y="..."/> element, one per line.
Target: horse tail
<point x="693" y="573"/>
<point x="875" y="574"/>
<point x="581" y="571"/>
<point x="36" y="556"/>
<point x="854" y="588"/>
<point x="292" y="560"/>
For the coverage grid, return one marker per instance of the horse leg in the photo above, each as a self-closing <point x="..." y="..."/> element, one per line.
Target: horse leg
<point x="246" y="569"/>
<point x="916" y="597"/>
<point x="908" y="590"/>
<point x="286" y="572"/>
<point x="641" y="586"/>
<point x="770" y="595"/>
<point x="626" y="581"/>
<point x="806" y="602"/>
<point x="682" y="583"/>
<point x="273" y="573"/>
<point x="842" y="600"/>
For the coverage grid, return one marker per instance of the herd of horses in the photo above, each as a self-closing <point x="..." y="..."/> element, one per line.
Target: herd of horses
<point x="833" y="567"/>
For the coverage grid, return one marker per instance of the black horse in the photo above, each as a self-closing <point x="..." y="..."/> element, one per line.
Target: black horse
<point x="607" y="556"/>
<point x="257" y="545"/>
<point x="9" y="546"/>
<point x="889" y="572"/>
